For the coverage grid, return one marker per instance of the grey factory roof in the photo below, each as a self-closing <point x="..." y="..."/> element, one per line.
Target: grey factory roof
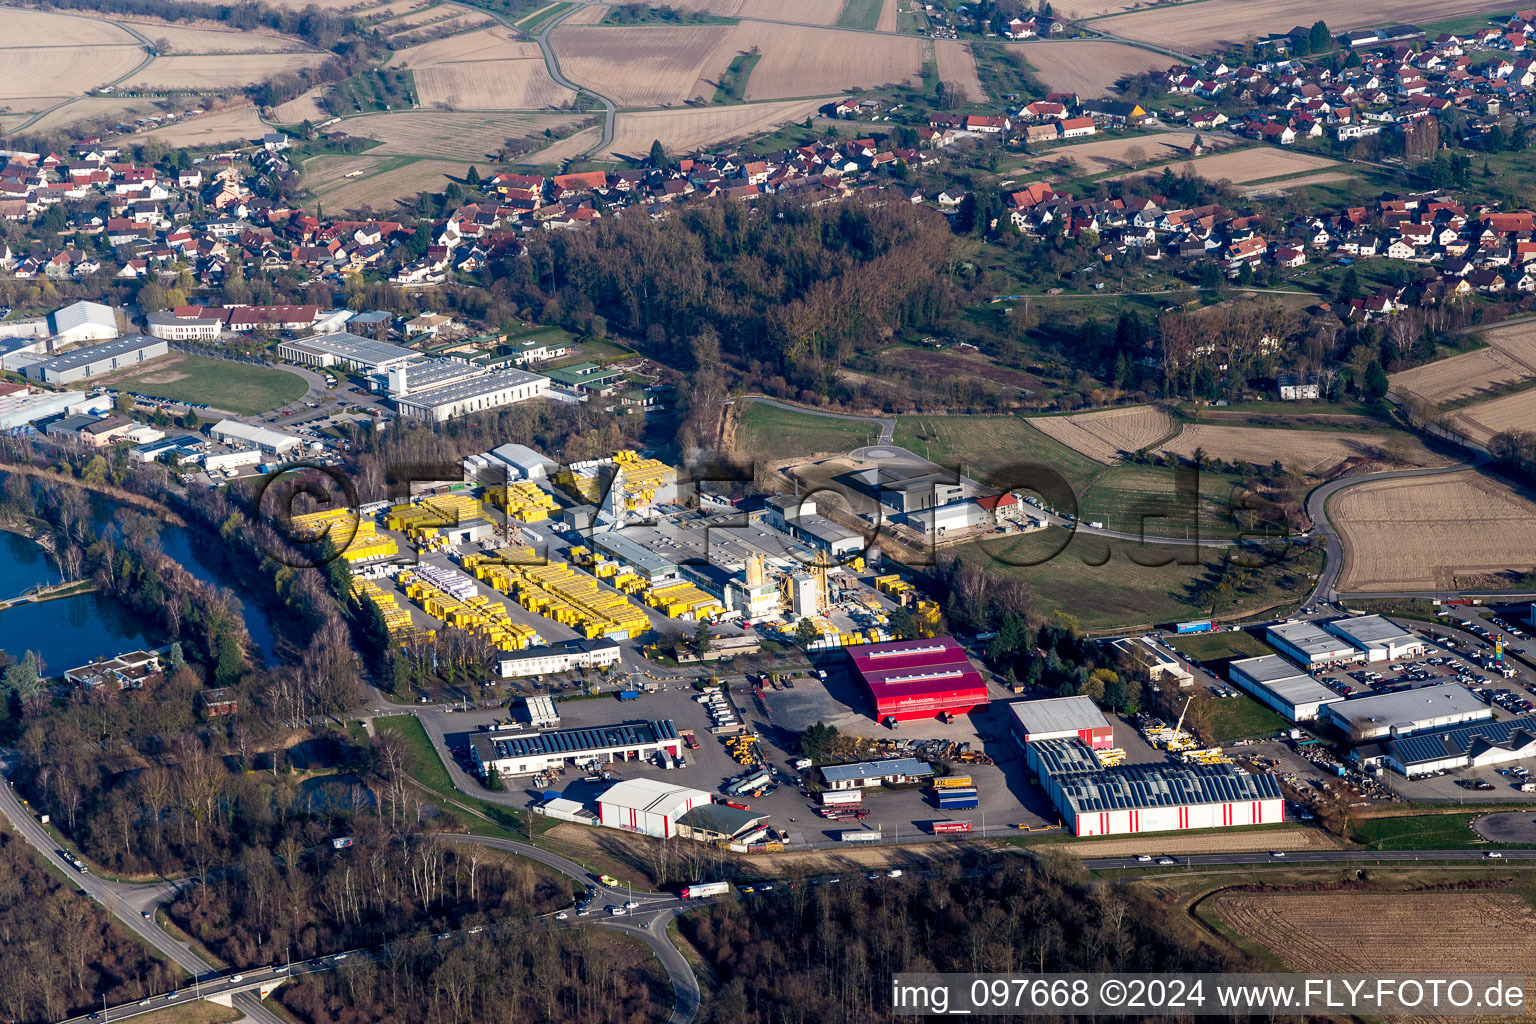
<point x="1459" y="740"/>
<point x="1155" y="785"/>
<point x="1057" y="714"/>
<point x="725" y="540"/>
<point x="460" y="390"/>
<point x="720" y="819"/>
<point x="910" y="766"/>
<point x="574" y="742"/>
<point x="1307" y="637"/>
<point x="1283" y="679"/>
<point x="1407" y="706"/>
<point x="76" y="358"/>
<point x="346" y="345"/>
<point x="633" y="553"/>
<point x="431" y="373"/>
<point x="260" y="436"/>
<point x="1371" y="631"/>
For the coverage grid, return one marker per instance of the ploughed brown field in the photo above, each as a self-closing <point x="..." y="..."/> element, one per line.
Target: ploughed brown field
<point x="1104" y="434"/>
<point x="1451" y="532"/>
<point x="1088" y="67"/>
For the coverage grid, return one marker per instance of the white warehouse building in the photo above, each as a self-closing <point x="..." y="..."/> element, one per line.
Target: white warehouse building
<point x="473" y="394"/>
<point x="520" y="752"/>
<point x="1276" y="683"/>
<point x="1098" y="801"/>
<point x="1312" y="647"/>
<point x="544" y="661"/>
<point x="1379" y="638"/>
<point x="1477" y="745"/>
<point x="1405" y="712"/>
<point x="233" y="431"/>
<point x="647" y="806"/>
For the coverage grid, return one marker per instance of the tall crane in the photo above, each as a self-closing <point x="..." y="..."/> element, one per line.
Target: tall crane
<point x="1178" y="729"/>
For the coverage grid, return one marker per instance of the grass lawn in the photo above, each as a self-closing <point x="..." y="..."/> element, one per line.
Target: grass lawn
<point x="733" y="84"/>
<point x="860" y="14"/>
<point x="199" y="1012"/>
<point x="1418" y="832"/>
<point x="766" y="431"/>
<point x="424" y="763"/>
<point x="988" y="447"/>
<point x="1237" y="719"/>
<point x="1223" y="646"/>
<point x="238" y="387"/>
<point x="532" y="22"/>
<point x="1142" y="498"/>
<point x="1097" y="582"/>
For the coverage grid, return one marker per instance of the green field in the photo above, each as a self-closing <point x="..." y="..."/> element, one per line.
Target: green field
<point x="1231" y="719"/>
<point x="986" y="447"/>
<point x="1419" y="832"/>
<point x="860" y="14"/>
<point x="235" y="387"/>
<point x="1134" y="499"/>
<point x="1223" y="646"/>
<point x="532" y="22"/>
<point x="733" y="83"/>
<point x="1097" y="582"/>
<point x="422" y="760"/>
<point x="766" y="431"/>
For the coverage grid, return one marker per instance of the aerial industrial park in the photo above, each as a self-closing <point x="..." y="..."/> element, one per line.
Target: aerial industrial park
<point x="765" y="511"/>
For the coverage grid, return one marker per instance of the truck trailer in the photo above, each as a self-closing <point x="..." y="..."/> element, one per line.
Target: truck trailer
<point x="698" y="890"/>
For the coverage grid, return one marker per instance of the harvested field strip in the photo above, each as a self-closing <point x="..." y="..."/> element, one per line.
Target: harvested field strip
<point x="491" y="85"/>
<point x="889" y="20"/>
<point x="645" y="66"/>
<point x="31" y="30"/>
<point x="393" y="179"/>
<point x="1109" y="154"/>
<point x="1144" y="500"/>
<point x="568" y="148"/>
<point x="1200" y="27"/>
<point x="32" y="74"/>
<point x="1254" y="164"/>
<point x="1315" y="452"/>
<point x="209" y="73"/>
<point x="456" y="136"/>
<point x="814" y="12"/>
<point x="304" y="107"/>
<point x="1386" y="932"/>
<point x="1479" y="422"/>
<point x="88" y="109"/>
<point x="1452" y="532"/>
<point x="991" y="448"/>
<point x="684" y="130"/>
<point x="799" y="61"/>
<point x="238" y="124"/>
<point x="1223" y="841"/>
<point x="1089" y="68"/>
<point x="1448" y="380"/>
<point x="188" y="40"/>
<point x="1295" y="181"/>
<point x="957" y="69"/>
<point x="1104" y="434"/>
<point x="484" y="44"/>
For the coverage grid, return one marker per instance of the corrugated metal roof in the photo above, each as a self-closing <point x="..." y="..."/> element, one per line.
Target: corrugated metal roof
<point x="1087" y="787"/>
<point x="1058" y="714"/>
<point x="876" y="769"/>
<point x="574" y="742"/>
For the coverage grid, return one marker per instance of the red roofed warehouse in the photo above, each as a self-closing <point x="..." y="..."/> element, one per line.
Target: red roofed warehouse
<point x="910" y="680"/>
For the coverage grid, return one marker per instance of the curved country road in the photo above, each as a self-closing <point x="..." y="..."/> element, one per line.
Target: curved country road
<point x="552" y="62"/>
<point x="148" y="59"/>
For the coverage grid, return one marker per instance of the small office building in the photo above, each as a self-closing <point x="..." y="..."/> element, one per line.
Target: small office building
<point x="1311" y="646"/>
<point x="1379" y="638"/>
<point x="1364" y="719"/>
<point x="1276" y="683"/>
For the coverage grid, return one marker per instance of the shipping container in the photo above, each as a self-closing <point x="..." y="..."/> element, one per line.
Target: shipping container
<point x="862" y="836"/>
<point x="698" y="890"/>
<point x="940" y="828"/>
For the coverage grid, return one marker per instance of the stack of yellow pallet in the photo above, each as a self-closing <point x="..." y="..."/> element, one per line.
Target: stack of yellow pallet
<point x="396" y="619"/>
<point x="678" y="599"/>
<point x="362" y="539"/>
<point x="892" y="586"/>
<point x="522" y="500"/>
<point x="642" y="479"/>
<point x="420" y="519"/>
<point x="476" y="614"/>
<point x="557" y="592"/>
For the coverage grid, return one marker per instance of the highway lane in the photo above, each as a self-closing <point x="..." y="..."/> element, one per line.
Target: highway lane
<point x="1308" y="857"/>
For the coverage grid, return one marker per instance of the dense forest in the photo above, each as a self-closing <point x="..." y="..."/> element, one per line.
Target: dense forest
<point x="60" y="954"/>
<point x="827" y="953"/>
<point x="504" y="976"/>
<point x="791" y="290"/>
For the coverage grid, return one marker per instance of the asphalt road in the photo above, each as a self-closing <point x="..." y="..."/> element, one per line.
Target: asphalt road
<point x="1308" y="857"/>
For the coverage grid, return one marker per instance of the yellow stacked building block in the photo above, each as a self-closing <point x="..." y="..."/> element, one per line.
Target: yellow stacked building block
<point x="396" y="619"/>
<point x="522" y="500"/>
<point x="421" y="518"/>
<point x="477" y="614"/>
<point x="642" y="479"/>
<point x="363" y="540"/>
<point x="678" y="599"/>
<point x="557" y="592"/>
